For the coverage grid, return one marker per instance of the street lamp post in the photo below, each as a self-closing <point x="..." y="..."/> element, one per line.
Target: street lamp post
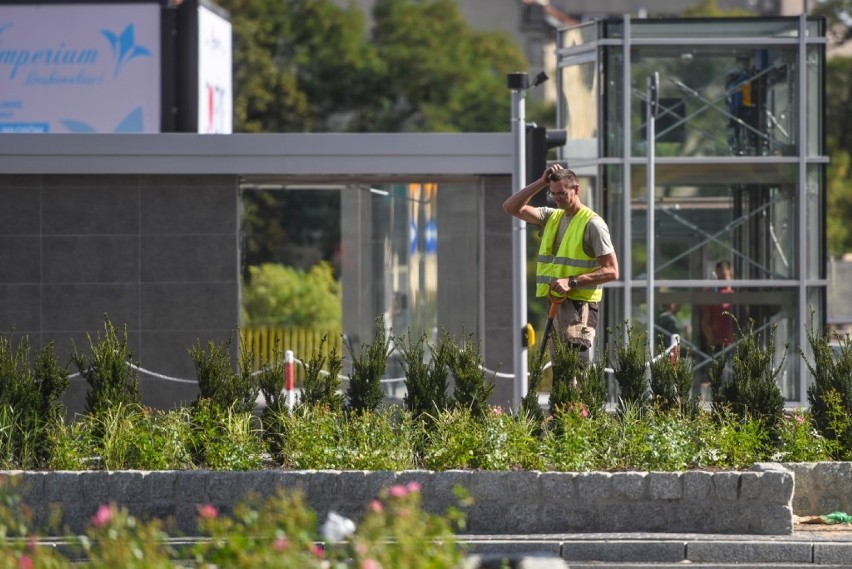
<point x="518" y="84"/>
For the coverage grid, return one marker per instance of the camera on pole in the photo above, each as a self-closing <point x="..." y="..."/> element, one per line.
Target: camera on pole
<point x="539" y="141"/>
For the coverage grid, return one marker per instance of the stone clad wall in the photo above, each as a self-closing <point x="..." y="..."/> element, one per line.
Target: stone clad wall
<point x="821" y="487"/>
<point x="750" y="502"/>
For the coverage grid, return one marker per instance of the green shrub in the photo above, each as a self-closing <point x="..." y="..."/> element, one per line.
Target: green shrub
<point x="671" y="384"/>
<point x="319" y="438"/>
<point x="752" y="390"/>
<point x="117" y="539"/>
<point x="426" y="382"/>
<point x="472" y="388"/>
<point x="271" y="380"/>
<point x="530" y="406"/>
<point x="72" y="446"/>
<point x="729" y="441"/>
<point x="322" y="387"/>
<point x="575" y="384"/>
<point x="30" y="402"/>
<point x="577" y="442"/>
<point x="798" y="439"/>
<point x="396" y="532"/>
<point x="830" y="394"/>
<point x="629" y="367"/>
<point x="108" y="371"/>
<point x="223" y="439"/>
<point x="368" y="367"/>
<point x="278" y="532"/>
<point x="218" y="383"/>
<point x="653" y="439"/>
<point x="511" y="442"/>
<point x="455" y="441"/>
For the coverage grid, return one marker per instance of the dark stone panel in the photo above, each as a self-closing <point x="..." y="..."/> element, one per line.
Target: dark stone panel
<point x="190" y="306"/>
<point x="172" y="210"/>
<point x="20" y="259"/>
<point x="112" y="181"/>
<point x="74" y="209"/>
<point x="19" y="209"/>
<point x="83" y="306"/>
<point x="20" y="307"/>
<point x="91" y="259"/>
<point x="189" y="258"/>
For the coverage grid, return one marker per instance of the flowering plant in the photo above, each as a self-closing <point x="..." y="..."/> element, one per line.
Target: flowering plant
<point x="395" y="532"/>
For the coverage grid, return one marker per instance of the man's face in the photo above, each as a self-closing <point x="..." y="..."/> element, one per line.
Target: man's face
<point x="563" y="193"/>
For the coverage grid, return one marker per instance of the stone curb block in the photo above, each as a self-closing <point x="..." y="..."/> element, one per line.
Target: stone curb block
<point x="745" y="552"/>
<point x="633" y="551"/>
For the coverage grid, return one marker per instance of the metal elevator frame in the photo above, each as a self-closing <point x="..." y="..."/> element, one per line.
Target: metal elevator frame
<point x="764" y="216"/>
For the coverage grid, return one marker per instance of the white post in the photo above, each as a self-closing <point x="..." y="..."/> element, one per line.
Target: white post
<point x="653" y="98"/>
<point x="290" y="397"/>
<point x="518" y="85"/>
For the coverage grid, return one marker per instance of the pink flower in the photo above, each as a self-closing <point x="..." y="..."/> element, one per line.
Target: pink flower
<point x="800" y="419"/>
<point x="370" y="564"/>
<point x="398" y="491"/>
<point x="497" y="410"/>
<point x="25" y="562"/>
<point x="280" y="544"/>
<point x="413" y="487"/>
<point x="103" y="516"/>
<point x="318" y="551"/>
<point x="208" y="512"/>
<point x="376" y="506"/>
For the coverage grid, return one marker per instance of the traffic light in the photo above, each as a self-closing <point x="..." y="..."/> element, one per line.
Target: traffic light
<point x="539" y="141"/>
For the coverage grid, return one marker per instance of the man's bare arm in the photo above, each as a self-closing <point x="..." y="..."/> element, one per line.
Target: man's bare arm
<point x="608" y="271"/>
<point x="518" y="203"/>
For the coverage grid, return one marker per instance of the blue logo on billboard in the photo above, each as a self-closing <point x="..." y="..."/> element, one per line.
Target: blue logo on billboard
<point x="132" y="123"/>
<point x="63" y="64"/>
<point x="124" y="46"/>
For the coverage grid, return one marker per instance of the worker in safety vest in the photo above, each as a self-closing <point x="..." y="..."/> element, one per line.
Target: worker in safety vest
<point x="576" y="255"/>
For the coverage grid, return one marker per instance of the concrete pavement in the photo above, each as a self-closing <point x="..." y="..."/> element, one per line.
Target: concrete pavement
<point x="827" y="549"/>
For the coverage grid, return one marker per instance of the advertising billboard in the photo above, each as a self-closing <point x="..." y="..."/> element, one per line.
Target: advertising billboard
<point x="80" y="68"/>
<point x="214" y="72"/>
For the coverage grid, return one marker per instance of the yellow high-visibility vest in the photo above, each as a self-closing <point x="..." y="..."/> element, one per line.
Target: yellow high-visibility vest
<point x="569" y="260"/>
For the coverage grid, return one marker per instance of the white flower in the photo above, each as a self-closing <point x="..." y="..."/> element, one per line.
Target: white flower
<point x="337" y="528"/>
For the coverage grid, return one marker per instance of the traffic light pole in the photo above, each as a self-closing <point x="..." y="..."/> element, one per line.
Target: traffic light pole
<point x="518" y="83"/>
<point x="653" y="99"/>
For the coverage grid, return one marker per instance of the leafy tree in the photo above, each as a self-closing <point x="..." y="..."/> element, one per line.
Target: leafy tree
<point x="438" y="73"/>
<point x="711" y="9"/>
<point x="838" y="114"/>
<point x="275" y="295"/>
<point x="298" y="65"/>
<point x="298" y="228"/>
<point x="838" y="14"/>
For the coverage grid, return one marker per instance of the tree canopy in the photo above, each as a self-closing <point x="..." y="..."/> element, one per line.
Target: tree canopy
<point x="311" y="66"/>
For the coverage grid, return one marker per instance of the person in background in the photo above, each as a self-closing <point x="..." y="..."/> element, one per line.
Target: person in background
<point x="717" y="325"/>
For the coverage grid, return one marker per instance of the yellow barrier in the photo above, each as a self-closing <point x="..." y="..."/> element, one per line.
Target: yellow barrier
<point x="302" y="341"/>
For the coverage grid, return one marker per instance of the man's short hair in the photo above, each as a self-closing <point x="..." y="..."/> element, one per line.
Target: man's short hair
<point x="565" y="175"/>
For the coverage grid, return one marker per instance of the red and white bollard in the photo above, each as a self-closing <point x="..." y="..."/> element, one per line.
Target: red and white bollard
<point x="288" y="379"/>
